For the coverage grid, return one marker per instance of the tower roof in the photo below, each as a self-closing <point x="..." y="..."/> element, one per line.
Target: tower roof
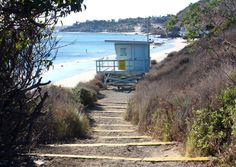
<point x="129" y="41"/>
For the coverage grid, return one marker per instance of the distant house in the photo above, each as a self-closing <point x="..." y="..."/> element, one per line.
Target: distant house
<point x="183" y="32"/>
<point x="199" y="34"/>
<point x="175" y="32"/>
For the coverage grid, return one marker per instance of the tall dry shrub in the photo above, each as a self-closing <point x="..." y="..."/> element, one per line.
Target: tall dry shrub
<point x="64" y="118"/>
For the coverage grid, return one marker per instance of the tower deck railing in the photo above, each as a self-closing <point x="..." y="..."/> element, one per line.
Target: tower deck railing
<point x="122" y="66"/>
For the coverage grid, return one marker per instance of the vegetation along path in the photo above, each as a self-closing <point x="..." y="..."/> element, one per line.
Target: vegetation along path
<point x="116" y="142"/>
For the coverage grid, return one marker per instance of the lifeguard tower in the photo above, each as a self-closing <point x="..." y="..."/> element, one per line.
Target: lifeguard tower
<point x="131" y="63"/>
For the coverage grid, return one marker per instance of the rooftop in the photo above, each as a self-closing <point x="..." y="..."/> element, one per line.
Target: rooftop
<point x="129" y="41"/>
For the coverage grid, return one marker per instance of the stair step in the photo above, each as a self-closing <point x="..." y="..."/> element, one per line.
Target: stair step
<point x="114" y="125"/>
<point x="120" y="131"/>
<point x="115" y="111"/>
<point x="145" y="159"/>
<point x="125" y="137"/>
<point x="114" y="107"/>
<point x="103" y="117"/>
<point x="113" y="144"/>
<point x="111" y="103"/>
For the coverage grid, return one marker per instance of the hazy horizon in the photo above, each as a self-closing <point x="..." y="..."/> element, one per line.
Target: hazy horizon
<point x="113" y="9"/>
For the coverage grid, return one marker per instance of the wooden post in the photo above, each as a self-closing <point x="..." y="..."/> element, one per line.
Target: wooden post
<point x="99" y="66"/>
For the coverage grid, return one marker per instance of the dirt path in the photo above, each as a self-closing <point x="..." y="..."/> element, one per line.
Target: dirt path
<point x="115" y="142"/>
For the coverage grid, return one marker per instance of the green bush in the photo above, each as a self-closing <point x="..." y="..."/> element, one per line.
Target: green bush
<point x="212" y="129"/>
<point x="209" y="132"/>
<point x="229" y="104"/>
<point x="86" y="96"/>
<point x="86" y="93"/>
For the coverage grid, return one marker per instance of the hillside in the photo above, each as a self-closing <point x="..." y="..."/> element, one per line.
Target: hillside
<point x="191" y="80"/>
<point x="190" y="96"/>
<point x="122" y="25"/>
<point x="181" y="13"/>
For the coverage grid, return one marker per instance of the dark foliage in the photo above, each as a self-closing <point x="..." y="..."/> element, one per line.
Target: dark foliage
<point x="25" y="51"/>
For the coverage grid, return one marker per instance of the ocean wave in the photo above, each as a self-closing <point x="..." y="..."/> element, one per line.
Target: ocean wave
<point x="80" y="60"/>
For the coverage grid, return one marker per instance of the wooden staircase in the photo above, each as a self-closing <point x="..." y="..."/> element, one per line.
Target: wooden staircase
<point x="117" y="143"/>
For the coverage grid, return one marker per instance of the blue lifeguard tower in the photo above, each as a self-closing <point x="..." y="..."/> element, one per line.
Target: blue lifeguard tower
<point x="131" y="63"/>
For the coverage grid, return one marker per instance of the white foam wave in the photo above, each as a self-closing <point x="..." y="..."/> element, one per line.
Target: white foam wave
<point x="78" y="61"/>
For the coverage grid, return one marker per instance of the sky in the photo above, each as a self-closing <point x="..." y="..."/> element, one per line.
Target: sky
<point x="118" y="9"/>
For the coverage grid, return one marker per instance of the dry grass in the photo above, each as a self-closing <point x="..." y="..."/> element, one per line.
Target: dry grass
<point x="228" y="158"/>
<point x="65" y="117"/>
<point x="185" y="81"/>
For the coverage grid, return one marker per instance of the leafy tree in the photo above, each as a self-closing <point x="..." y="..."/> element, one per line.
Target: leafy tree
<point x="192" y="21"/>
<point x="172" y="21"/>
<point x="171" y="28"/>
<point x="26" y="44"/>
<point x="209" y="18"/>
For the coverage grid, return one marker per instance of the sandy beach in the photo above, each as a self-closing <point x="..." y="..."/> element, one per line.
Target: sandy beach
<point x="178" y="44"/>
<point x="73" y="81"/>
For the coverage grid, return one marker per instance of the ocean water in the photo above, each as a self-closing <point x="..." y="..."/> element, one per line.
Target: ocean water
<point x="78" y="52"/>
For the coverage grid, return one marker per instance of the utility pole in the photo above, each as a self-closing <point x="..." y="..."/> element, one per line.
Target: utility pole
<point x="148" y="28"/>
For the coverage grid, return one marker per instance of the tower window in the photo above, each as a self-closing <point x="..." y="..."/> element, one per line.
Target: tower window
<point x="123" y="52"/>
